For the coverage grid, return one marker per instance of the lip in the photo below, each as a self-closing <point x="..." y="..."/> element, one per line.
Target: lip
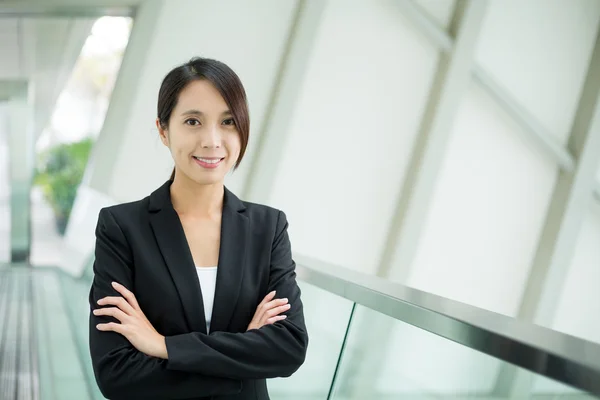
<point x="209" y="165"/>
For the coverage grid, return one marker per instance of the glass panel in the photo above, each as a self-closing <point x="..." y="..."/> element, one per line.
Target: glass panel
<point x="62" y="369"/>
<point x="76" y="292"/>
<point x="544" y="388"/>
<point x="389" y="359"/>
<point x="327" y="317"/>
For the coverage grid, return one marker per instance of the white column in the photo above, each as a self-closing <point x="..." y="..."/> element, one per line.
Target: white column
<point x="21" y="165"/>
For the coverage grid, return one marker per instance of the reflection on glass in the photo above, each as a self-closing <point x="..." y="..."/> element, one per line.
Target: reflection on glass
<point x="388" y="359"/>
<point x="327" y="317"/>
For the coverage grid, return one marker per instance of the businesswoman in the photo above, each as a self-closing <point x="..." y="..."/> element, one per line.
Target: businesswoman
<point x="194" y="293"/>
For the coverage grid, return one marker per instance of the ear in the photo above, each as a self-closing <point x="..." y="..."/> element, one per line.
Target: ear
<point x="163" y="133"/>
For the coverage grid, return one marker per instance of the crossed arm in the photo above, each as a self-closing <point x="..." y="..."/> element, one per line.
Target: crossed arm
<point x="131" y="359"/>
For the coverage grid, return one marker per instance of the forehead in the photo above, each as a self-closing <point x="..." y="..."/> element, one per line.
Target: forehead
<point x="202" y="95"/>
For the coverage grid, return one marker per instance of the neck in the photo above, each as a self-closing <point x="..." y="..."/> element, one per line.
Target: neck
<point x="199" y="201"/>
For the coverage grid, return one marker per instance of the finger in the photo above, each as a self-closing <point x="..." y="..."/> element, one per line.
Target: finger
<point x="262" y="307"/>
<point x="127" y="294"/>
<point x="276" y="303"/>
<point x="267" y="298"/>
<point x="111" y="312"/>
<point x="119" y="302"/>
<point x="111" y="326"/>
<point x="272" y="320"/>
<point x="277" y="310"/>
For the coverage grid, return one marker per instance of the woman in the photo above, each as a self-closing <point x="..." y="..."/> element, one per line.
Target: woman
<point x="194" y="292"/>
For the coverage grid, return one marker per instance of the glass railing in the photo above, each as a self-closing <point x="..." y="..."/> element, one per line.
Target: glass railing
<point x="375" y="339"/>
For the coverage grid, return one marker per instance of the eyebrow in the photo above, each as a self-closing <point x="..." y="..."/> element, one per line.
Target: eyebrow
<point x="200" y="113"/>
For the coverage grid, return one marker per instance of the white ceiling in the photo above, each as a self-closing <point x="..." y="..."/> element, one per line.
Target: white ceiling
<point x="71" y="8"/>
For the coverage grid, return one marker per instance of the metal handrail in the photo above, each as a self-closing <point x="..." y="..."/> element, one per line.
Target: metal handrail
<point x="565" y="358"/>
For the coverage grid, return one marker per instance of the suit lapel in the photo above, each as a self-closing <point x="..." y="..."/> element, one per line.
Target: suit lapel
<point x="232" y="256"/>
<point x="173" y="245"/>
<point x="235" y="228"/>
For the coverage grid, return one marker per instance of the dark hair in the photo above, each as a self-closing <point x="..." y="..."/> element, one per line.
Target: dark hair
<point x="224" y="80"/>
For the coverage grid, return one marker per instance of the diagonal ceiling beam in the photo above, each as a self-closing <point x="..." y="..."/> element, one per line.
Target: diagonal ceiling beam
<point x="274" y="133"/>
<point x="533" y="128"/>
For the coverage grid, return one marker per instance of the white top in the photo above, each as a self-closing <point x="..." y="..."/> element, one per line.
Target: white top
<point x="208" y="282"/>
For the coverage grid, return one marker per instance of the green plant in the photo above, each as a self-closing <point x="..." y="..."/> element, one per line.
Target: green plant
<point x="59" y="174"/>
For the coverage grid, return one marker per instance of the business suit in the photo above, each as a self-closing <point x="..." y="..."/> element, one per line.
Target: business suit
<point x="142" y="245"/>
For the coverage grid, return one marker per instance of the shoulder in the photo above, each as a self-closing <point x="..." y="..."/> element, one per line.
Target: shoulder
<point x="260" y="210"/>
<point x="265" y="216"/>
<point x="124" y="213"/>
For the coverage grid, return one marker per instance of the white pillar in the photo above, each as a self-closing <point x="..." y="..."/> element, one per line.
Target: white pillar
<point x="21" y="167"/>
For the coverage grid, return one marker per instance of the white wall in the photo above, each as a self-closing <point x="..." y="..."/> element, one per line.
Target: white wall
<point x="578" y="311"/>
<point x="539" y="51"/>
<point x="352" y="132"/>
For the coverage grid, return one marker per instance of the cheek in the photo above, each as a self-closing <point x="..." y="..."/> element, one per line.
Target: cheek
<point x="178" y="145"/>
<point x="234" y="145"/>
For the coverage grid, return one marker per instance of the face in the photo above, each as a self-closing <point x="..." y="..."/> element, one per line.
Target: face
<point x="201" y="135"/>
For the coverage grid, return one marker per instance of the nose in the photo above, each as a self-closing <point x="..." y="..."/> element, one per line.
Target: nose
<point x="211" y="138"/>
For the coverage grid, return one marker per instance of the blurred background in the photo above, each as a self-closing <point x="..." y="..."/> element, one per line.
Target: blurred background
<point x="446" y="149"/>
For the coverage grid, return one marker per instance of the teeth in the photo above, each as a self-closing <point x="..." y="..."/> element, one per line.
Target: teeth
<point x="208" y="161"/>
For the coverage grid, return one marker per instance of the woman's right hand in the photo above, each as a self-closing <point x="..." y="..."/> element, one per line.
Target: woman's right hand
<point x="268" y="311"/>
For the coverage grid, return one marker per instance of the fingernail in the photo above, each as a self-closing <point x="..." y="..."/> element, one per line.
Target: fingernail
<point x="114" y="284"/>
<point x="285" y="299"/>
<point x="99" y="301"/>
<point x="95" y="312"/>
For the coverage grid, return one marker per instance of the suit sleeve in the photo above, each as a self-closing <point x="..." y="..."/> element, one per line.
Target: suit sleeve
<point x="275" y="350"/>
<point x="121" y="371"/>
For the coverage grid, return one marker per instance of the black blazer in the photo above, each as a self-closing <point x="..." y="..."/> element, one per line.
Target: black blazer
<point x="142" y="246"/>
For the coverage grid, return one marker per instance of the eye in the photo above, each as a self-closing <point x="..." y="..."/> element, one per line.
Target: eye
<point x="229" y="122"/>
<point x="192" y="122"/>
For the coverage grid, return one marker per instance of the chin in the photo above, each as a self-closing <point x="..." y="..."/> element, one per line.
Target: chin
<point x="201" y="177"/>
<point x="208" y="180"/>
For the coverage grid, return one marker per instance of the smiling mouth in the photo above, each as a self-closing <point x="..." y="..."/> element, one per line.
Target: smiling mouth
<point x="209" y="160"/>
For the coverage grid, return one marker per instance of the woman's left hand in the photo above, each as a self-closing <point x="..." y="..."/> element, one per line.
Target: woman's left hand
<point x="134" y="324"/>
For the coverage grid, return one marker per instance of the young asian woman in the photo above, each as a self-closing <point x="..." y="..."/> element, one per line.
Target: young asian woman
<point x="194" y="293"/>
